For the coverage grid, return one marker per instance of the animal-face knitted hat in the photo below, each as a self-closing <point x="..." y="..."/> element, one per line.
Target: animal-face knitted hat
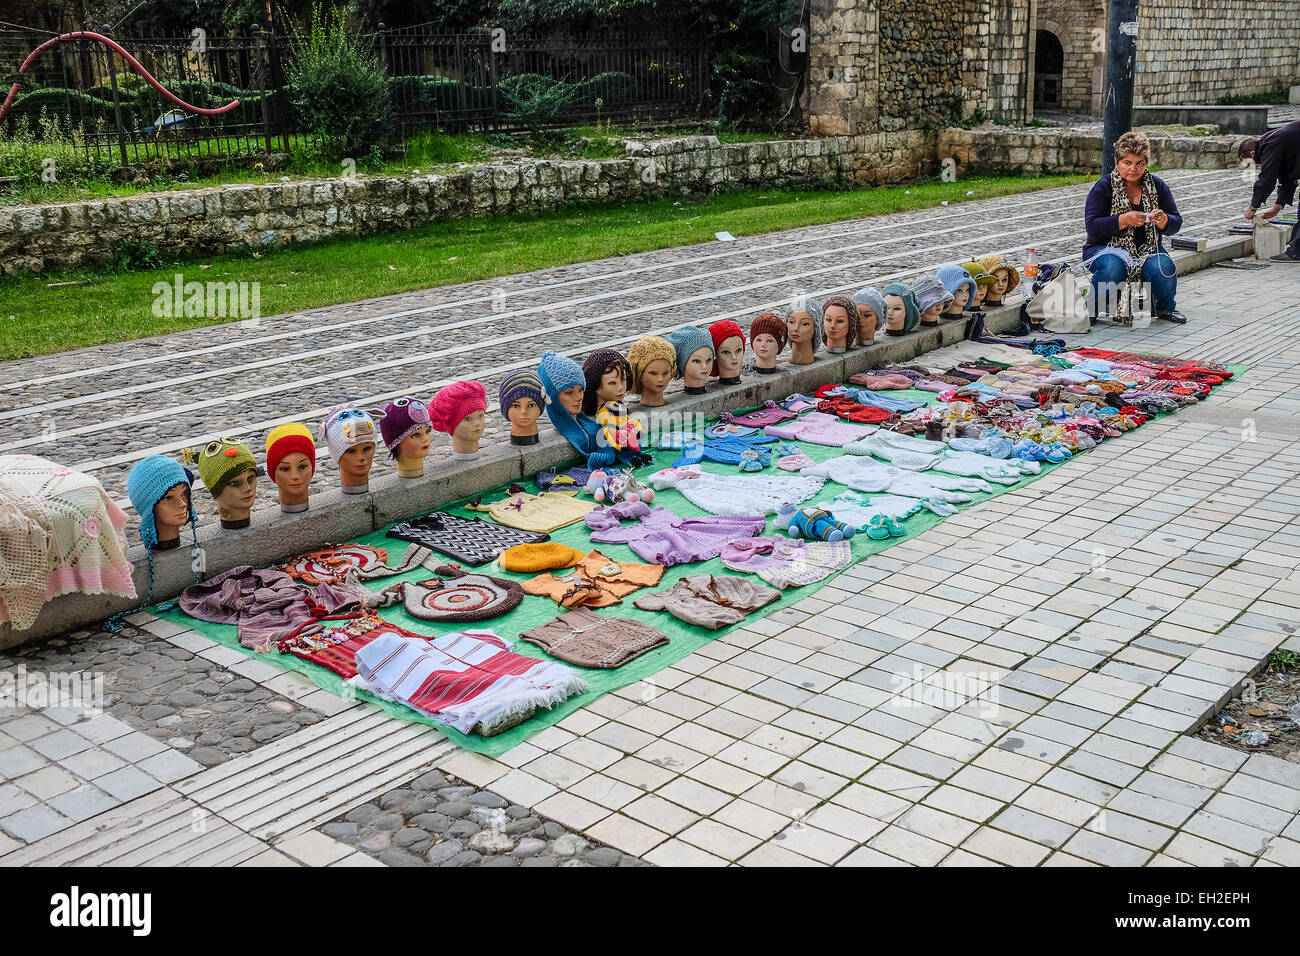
<point x="912" y="317"/>
<point x="954" y="277"/>
<point x="220" y="462"/>
<point x="805" y="303"/>
<point x="769" y="323"/>
<point x="652" y="348"/>
<point x="521" y="383"/>
<point x="402" y="418"/>
<point x="454" y="403"/>
<point x="850" y="307"/>
<point x="286" y="439"/>
<point x="873" y="300"/>
<point x="719" y="332"/>
<point x="992" y="263"/>
<point x="598" y="363"/>
<point x="929" y="292"/>
<point x="346" y="426"/>
<point x="983" y="279"/>
<point x="146" y="484"/>
<point x="686" y="341"/>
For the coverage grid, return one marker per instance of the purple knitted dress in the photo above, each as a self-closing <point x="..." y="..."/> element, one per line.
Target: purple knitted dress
<point x="661" y="537"/>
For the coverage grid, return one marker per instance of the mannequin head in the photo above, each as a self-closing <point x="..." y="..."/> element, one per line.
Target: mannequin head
<point x="983" y="282"/>
<point x="564" y="384"/>
<point x="229" y="472"/>
<point x="608" y="376"/>
<point x="729" y="349"/>
<point x="839" y="323"/>
<point x="1006" y="277"/>
<point x="803" y="327"/>
<point x="931" y="298"/>
<point x="694" y="350"/>
<point x="460" y="410"/>
<point x="901" y="313"/>
<point x="406" y="433"/>
<point x="161" y="493"/>
<point x="345" y="428"/>
<point x="958" y="284"/>
<point x="521" y="398"/>
<point x="871" y="313"/>
<point x="653" y="361"/>
<point x="571" y="399"/>
<point x="768" y="335"/>
<point x="290" y="463"/>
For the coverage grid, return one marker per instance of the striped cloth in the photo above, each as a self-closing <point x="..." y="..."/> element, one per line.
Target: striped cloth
<point x="470" y="681"/>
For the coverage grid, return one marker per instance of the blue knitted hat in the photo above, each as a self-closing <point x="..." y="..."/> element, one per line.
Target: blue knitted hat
<point x="904" y="292"/>
<point x="558" y="372"/>
<point x="686" y="341"/>
<point x="954" y="277"/>
<point x="150" y="479"/>
<point x="873" y="300"/>
<point x="521" y="383"/>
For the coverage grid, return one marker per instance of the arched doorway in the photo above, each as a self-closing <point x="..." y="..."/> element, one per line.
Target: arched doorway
<point x="1049" y="64"/>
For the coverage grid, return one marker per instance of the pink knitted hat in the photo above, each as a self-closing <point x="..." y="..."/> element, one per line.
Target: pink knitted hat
<point x="453" y="403"/>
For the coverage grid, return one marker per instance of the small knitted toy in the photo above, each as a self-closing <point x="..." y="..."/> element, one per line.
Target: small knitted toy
<point x="612" y="487"/>
<point x="812" y="523"/>
<point x="719" y="332"/>
<point x="599" y="364"/>
<point x="652" y="348"/>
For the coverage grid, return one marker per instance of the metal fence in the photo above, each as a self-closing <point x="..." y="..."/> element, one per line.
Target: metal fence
<point x="83" y="92"/>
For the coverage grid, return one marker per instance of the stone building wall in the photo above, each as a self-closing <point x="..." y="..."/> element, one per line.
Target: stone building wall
<point x="1195" y="52"/>
<point x="842" y="55"/>
<point x="1083" y="72"/>
<point x="1060" y="151"/>
<point x="238" y="218"/>
<point x="1009" y="50"/>
<point x="921" y="54"/>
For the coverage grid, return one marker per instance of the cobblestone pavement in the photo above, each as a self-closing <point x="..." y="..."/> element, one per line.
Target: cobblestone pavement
<point x="437" y="820"/>
<point x="1096" y="617"/>
<point x="102" y="409"/>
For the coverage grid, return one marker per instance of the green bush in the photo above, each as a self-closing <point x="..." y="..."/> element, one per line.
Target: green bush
<point x="339" y="89"/>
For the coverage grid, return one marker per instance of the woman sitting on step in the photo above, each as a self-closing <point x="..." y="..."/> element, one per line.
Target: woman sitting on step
<point x="1127" y="215"/>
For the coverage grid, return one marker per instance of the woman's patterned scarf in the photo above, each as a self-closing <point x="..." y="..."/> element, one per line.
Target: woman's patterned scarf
<point x="1128" y="239"/>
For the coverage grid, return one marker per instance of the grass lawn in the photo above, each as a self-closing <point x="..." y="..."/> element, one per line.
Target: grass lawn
<point x="115" y="307"/>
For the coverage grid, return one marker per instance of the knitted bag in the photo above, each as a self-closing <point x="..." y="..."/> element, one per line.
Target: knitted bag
<point x="467" y="597"/>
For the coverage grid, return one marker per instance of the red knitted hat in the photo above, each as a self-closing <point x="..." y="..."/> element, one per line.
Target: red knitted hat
<point x="285" y="439"/>
<point x="453" y="403"/>
<point x="769" y="323"/>
<point x="720" y="331"/>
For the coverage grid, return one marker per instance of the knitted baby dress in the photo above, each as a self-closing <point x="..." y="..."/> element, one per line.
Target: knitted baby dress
<point x="737" y="494"/>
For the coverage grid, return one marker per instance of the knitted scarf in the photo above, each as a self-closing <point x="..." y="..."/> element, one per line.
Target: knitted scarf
<point x="1127" y="239"/>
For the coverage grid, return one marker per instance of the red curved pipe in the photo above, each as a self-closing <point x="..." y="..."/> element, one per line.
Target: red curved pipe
<point x="131" y="61"/>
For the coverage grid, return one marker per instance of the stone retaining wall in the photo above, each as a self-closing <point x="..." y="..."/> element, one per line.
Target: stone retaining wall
<point x="234" y="218"/>
<point x="1037" y="152"/>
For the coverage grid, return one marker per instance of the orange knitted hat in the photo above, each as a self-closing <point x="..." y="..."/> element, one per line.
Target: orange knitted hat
<point x="539" y="557"/>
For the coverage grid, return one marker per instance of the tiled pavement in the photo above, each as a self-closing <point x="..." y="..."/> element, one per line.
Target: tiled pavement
<point x="1011" y="687"/>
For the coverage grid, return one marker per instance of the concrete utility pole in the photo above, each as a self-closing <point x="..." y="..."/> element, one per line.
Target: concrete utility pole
<point x="1121" y="63"/>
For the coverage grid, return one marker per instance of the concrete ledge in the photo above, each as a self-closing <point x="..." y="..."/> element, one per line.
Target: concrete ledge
<point x="335" y="518"/>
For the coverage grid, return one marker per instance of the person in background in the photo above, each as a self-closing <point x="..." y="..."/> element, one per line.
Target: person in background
<point x="1276" y="155"/>
<point x="1127" y="216"/>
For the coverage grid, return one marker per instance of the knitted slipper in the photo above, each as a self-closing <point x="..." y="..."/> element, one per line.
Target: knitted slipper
<point x="877" y="529"/>
<point x="941" y="508"/>
<point x="794" y="462"/>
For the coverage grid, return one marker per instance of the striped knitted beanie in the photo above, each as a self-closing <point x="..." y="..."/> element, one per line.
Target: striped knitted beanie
<point x="929" y="292"/>
<point x="686" y="341"/>
<point x="285" y="439"/>
<point x="146" y="484"/>
<point x="598" y="363"/>
<point x="769" y="323"/>
<point x="652" y="348"/>
<point x="521" y="383"/>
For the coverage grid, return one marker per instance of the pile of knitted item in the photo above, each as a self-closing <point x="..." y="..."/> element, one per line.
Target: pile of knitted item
<point x="661" y="537"/>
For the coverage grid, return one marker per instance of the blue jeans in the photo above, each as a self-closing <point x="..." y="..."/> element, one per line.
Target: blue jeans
<point x="1158" y="271"/>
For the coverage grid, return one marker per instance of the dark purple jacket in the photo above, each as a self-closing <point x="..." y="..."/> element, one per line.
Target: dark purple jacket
<point x="1103" y="227"/>
<point x="1278" y="155"/>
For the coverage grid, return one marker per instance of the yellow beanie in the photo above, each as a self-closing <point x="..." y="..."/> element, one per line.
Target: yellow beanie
<point x="539" y="557"/>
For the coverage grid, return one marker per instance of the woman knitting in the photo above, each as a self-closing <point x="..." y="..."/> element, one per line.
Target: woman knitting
<point x="1127" y="215"/>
